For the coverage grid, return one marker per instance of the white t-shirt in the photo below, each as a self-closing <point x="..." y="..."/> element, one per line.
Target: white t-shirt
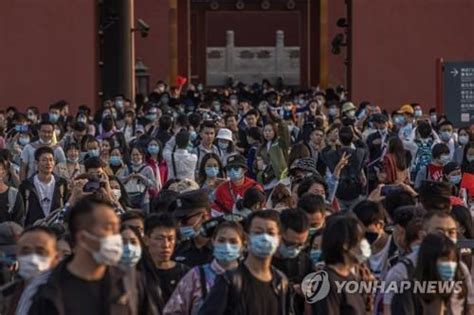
<point x="45" y="193"/>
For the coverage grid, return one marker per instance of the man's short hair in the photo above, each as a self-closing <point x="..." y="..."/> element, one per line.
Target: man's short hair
<point x="270" y="215"/>
<point x="43" y="150"/>
<point x="132" y="215"/>
<point x="294" y="219"/>
<point x="160" y="220"/>
<point x="368" y="212"/>
<point x="93" y="162"/>
<point x="81" y="214"/>
<point x="46" y="123"/>
<point x="312" y="203"/>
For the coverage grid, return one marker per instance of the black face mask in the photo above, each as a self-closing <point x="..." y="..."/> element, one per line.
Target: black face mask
<point x="371" y="237"/>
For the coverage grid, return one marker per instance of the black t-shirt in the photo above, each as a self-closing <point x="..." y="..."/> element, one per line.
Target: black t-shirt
<point x="339" y="303"/>
<point x="187" y="253"/>
<point x="81" y="296"/>
<point x="295" y="270"/>
<point x="169" y="279"/>
<point x="262" y="299"/>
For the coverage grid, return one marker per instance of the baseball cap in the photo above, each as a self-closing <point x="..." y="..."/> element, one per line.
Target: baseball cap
<point x="236" y="160"/>
<point x="406" y="109"/>
<point x="191" y="203"/>
<point x="348" y="106"/>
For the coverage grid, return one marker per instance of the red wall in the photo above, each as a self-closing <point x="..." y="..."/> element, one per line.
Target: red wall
<point x="47" y="52"/>
<point x="154" y="49"/>
<point x="396" y="43"/>
<point x="336" y="9"/>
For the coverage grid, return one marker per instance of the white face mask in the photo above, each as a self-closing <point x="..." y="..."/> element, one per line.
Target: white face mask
<point x="33" y="265"/>
<point x="117" y="193"/>
<point x="110" y="251"/>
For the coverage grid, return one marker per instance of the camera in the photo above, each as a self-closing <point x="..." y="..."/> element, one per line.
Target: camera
<point x="143" y="28"/>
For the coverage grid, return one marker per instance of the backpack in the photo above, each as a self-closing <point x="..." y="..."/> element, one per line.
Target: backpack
<point x="423" y="156"/>
<point x="406" y="302"/>
<point x="135" y="189"/>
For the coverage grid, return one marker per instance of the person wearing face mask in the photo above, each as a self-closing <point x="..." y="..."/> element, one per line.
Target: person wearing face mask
<point x="447" y="136"/>
<point x="372" y="217"/>
<point x="192" y="290"/>
<point x="333" y="112"/>
<point x="229" y="192"/>
<point x="452" y="174"/>
<point x="154" y="159"/>
<point x="432" y="222"/>
<point x="255" y="287"/>
<point x="160" y="240"/>
<point x="344" y="250"/>
<point x="132" y="247"/>
<point x="72" y="167"/>
<point x="225" y="143"/>
<point x="28" y="165"/>
<point x="211" y="174"/>
<point x="434" y="170"/>
<point x="438" y="260"/>
<point x="89" y="277"/>
<point x="404" y="120"/>
<point x="192" y="210"/>
<point x="36" y="255"/>
<point x="464" y="137"/>
<point x="290" y="257"/>
<point x="315" y="209"/>
<point x="137" y="179"/>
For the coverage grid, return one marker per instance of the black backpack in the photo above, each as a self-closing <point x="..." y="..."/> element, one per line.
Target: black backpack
<point x="406" y="302"/>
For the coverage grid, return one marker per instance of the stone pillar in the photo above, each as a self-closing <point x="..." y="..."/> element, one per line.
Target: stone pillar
<point x="279" y="53"/>
<point x="229" y="53"/>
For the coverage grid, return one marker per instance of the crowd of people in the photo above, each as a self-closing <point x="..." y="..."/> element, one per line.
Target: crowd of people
<point x="195" y="200"/>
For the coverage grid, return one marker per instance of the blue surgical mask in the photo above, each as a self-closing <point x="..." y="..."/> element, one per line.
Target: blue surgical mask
<point x="445" y="136"/>
<point x="226" y="252"/>
<point x="151" y="117"/>
<point x="131" y="255"/>
<point x="288" y="251"/>
<point x="193" y="135"/>
<point x="223" y="145"/>
<point x="187" y="232"/>
<point x="93" y="153"/>
<point x="235" y="174"/>
<point x="456" y="179"/>
<point x="447" y="270"/>
<point x="463" y="140"/>
<point x="212" y="171"/>
<point x="115" y="160"/>
<point x="445" y="159"/>
<point x="24" y="141"/>
<point x="399" y="120"/>
<point x="315" y="255"/>
<point x="153" y="149"/>
<point x="263" y="245"/>
<point x="53" y="117"/>
<point x="332" y="111"/>
<point x="418" y="113"/>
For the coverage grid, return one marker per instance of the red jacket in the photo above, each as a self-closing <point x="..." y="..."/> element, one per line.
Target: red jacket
<point x="228" y="193"/>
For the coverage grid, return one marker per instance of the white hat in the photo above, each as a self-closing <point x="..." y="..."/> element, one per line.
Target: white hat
<point x="225" y="134"/>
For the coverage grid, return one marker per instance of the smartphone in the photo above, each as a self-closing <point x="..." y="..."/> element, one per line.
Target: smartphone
<point x="92" y="186"/>
<point x="391" y="190"/>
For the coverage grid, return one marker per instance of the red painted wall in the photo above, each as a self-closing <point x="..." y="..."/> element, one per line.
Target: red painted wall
<point x="47" y="52"/>
<point x="396" y="43"/>
<point x="154" y="49"/>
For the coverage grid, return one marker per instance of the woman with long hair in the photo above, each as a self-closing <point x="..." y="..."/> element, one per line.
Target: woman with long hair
<point x="395" y="163"/>
<point x="154" y="159"/>
<point x="211" y="174"/>
<point x="228" y="242"/>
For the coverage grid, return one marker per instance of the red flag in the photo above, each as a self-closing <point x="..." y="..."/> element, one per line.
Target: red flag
<point x="468" y="183"/>
<point x="180" y="81"/>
